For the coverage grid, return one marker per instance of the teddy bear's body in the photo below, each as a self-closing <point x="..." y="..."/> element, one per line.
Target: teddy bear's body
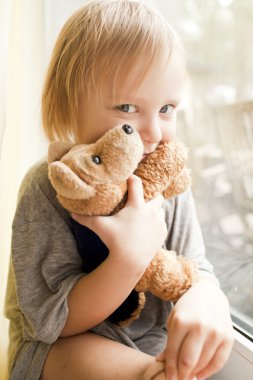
<point x="92" y="180"/>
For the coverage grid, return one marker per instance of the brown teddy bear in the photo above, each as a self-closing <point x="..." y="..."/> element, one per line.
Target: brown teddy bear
<point x="92" y="180"/>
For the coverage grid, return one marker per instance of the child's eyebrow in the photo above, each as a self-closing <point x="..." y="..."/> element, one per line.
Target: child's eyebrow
<point x="123" y="100"/>
<point x="176" y="102"/>
<point x="136" y="100"/>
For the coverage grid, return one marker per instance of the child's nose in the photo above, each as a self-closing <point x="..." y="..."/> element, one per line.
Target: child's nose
<point x="151" y="132"/>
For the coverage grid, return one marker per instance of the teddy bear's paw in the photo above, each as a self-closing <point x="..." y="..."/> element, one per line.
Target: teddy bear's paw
<point x="179" y="282"/>
<point x="168" y="276"/>
<point x="190" y="271"/>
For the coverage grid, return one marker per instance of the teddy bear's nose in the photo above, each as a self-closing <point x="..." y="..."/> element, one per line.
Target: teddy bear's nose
<point x="128" y="129"/>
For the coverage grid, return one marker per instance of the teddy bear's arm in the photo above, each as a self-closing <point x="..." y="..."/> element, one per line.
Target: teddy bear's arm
<point x="67" y="183"/>
<point x="179" y="184"/>
<point x="168" y="276"/>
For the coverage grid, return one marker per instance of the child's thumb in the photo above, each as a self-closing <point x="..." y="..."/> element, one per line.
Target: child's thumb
<point x="135" y="190"/>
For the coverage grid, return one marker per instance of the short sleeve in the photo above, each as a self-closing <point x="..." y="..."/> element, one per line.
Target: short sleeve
<point x="45" y="263"/>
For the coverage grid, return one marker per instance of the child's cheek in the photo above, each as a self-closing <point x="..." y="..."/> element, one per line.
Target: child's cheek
<point x="169" y="132"/>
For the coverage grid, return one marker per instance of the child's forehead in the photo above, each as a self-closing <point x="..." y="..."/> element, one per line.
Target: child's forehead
<point x="129" y="83"/>
<point x="163" y="80"/>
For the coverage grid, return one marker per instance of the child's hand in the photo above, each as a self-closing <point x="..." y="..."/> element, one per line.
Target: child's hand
<point x="200" y="333"/>
<point x="136" y="232"/>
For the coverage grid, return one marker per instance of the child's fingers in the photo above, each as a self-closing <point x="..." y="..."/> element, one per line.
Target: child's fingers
<point x="216" y="363"/>
<point x="189" y="355"/>
<point x="208" y="352"/>
<point x="136" y="196"/>
<point x="176" y="336"/>
<point x="135" y="191"/>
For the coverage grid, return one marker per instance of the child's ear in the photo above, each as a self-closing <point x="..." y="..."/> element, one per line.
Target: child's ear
<point x="57" y="149"/>
<point x="67" y="183"/>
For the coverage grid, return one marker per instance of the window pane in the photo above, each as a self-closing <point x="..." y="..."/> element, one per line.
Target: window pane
<point x="223" y="187"/>
<point x="217" y="124"/>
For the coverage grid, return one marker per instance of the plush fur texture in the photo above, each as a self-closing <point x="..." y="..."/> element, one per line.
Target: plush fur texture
<point x="92" y="180"/>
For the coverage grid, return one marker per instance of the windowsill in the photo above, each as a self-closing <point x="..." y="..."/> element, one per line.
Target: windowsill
<point x="240" y="364"/>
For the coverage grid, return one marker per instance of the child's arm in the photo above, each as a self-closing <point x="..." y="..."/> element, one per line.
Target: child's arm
<point x="132" y="236"/>
<point x="200" y="333"/>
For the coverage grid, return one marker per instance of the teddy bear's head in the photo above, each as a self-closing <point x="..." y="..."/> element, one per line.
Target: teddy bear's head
<point x="91" y="179"/>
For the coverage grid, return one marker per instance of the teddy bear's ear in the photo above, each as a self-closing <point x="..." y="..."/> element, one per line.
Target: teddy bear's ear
<point x="57" y="149"/>
<point x="67" y="183"/>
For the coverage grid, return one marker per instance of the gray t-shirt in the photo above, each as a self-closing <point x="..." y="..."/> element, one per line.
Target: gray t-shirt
<point x="45" y="265"/>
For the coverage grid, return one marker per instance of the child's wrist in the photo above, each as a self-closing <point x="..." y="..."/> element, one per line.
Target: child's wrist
<point x="130" y="264"/>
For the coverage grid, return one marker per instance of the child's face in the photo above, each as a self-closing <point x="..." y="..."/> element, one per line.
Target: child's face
<point x="150" y="107"/>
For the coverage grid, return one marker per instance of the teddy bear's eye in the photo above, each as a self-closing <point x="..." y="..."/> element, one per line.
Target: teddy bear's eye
<point x="96" y="160"/>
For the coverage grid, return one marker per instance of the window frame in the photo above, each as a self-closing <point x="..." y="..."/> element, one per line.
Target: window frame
<point x="240" y="363"/>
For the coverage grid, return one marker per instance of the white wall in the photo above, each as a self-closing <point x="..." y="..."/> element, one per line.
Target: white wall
<point x="22" y="142"/>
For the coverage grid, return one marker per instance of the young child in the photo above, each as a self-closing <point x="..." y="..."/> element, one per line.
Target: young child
<point x="114" y="63"/>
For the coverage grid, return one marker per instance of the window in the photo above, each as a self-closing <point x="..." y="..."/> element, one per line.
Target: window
<point x="217" y="124"/>
<point x="222" y="165"/>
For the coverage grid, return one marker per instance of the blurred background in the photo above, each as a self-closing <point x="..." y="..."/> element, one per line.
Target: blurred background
<point x="215" y="121"/>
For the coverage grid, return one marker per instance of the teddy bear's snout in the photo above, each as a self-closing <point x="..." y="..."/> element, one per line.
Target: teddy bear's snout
<point x="128" y="129"/>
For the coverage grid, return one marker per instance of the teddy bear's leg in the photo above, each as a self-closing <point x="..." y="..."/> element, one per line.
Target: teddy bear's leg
<point x="129" y="310"/>
<point x="168" y="276"/>
<point x="136" y="313"/>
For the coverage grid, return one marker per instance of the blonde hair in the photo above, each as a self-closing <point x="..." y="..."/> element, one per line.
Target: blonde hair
<point x="102" y="40"/>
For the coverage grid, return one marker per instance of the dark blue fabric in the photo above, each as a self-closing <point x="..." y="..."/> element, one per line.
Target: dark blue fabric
<point x="90" y="247"/>
<point x="93" y="252"/>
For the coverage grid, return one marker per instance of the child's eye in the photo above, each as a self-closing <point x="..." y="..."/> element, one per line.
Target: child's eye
<point x="168" y="108"/>
<point x="129" y="108"/>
